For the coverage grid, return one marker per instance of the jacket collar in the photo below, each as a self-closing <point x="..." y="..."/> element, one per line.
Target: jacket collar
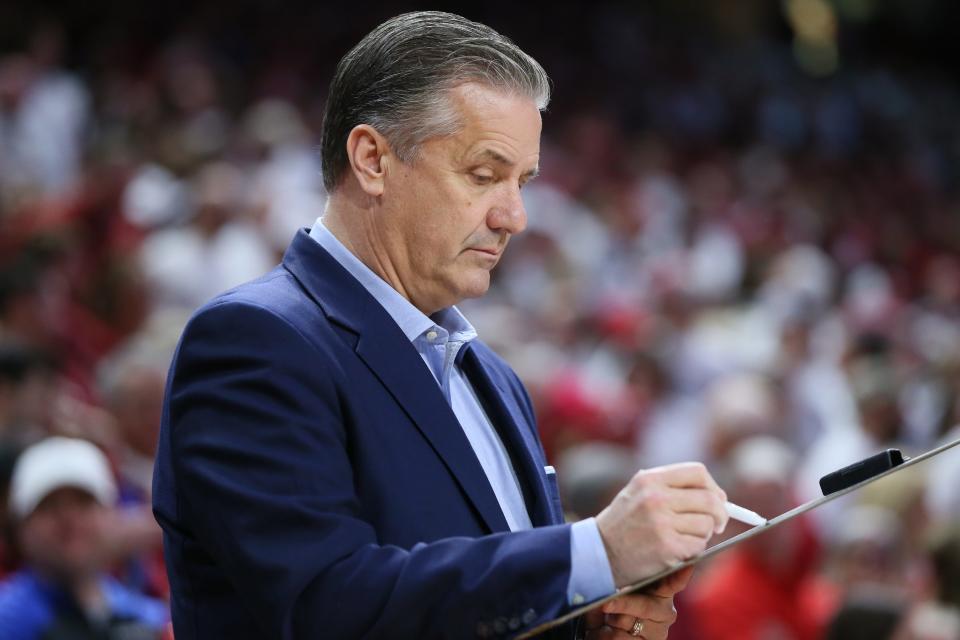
<point x="387" y="352"/>
<point x="515" y="431"/>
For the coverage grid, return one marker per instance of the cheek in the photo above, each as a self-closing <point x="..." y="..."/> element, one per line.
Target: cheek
<point x="440" y="219"/>
<point x="95" y="523"/>
<point x="37" y="535"/>
<point x="465" y="222"/>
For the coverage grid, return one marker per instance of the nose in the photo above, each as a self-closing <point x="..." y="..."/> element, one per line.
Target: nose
<point x="508" y="214"/>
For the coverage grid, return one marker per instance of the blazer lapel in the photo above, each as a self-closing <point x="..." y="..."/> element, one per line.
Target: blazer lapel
<point x="395" y="362"/>
<point x="516" y="435"/>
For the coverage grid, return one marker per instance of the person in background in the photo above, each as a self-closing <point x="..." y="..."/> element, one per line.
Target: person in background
<point x="936" y="616"/>
<point x="61" y="497"/>
<point x="765" y="587"/>
<point x="874" y="382"/>
<point x="27" y="379"/>
<point x="8" y="457"/>
<point x="132" y="384"/>
<point x="867" y="565"/>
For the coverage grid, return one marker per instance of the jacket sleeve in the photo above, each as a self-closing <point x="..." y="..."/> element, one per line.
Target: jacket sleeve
<point x="264" y="482"/>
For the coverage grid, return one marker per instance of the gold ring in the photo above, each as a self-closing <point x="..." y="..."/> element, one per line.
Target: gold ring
<point x="637" y="628"/>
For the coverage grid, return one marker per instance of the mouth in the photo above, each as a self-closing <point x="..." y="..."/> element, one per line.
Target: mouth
<point x="488" y="257"/>
<point x="490" y="252"/>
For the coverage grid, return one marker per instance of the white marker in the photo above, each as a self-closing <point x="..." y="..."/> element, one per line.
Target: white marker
<point x="744" y="515"/>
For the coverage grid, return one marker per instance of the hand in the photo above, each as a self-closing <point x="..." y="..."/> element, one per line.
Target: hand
<point x="77" y="419"/>
<point x="662" y="517"/>
<point x="130" y="531"/>
<point x="654" y="607"/>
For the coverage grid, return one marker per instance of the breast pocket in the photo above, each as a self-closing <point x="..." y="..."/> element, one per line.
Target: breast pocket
<point x="553" y="492"/>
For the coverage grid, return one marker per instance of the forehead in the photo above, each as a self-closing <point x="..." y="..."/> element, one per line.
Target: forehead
<point x="66" y="496"/>
<point x="493" y="120"/>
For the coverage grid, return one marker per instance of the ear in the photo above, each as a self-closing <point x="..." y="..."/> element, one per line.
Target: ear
<point x="366" y="151"/>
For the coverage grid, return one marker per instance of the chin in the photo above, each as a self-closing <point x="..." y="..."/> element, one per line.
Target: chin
<point x="474" y="287"/>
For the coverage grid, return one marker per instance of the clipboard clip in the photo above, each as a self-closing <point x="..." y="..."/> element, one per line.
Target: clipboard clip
<point x="860" y="471"/>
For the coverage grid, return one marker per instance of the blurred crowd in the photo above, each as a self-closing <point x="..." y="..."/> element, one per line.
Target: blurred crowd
<point x="726" y="261"/>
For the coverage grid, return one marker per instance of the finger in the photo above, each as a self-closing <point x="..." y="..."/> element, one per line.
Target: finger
<point x="700" y="501"/>
<point x="652" y="630"/>
<point x="621" y="621"/>
<point x="693" y="500"/>
<point x="635" y="606"/>
<point x="611" y="633"/>
<point x="689" y="546"/>
<point x="688" y="475"/>
<point x="625" y="623"/>
<point x="695" y="524"/>
<point x="643" y="606"/>
<point x="673" y="583"/>
<point x="655" y="630"/>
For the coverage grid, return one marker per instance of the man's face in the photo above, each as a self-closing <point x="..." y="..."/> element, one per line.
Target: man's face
<point x="449" y="213"/>
<point x="64" y="534"/>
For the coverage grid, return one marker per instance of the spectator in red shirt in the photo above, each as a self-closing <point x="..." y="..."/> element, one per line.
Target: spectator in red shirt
<point x="766" y="587"/>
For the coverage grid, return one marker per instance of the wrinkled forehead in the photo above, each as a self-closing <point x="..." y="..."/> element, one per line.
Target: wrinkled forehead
<point x="497" y="125"/>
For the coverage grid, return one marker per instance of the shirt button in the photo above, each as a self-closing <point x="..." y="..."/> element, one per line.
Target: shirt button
<point x="431" y="335"/>
<point x="578" y="598"/>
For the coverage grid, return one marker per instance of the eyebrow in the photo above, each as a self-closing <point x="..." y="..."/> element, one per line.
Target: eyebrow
<point x="493" y="156"/>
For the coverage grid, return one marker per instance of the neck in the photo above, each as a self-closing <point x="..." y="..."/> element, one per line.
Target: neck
<point x="354" y="226"/>
<point x="88" y="594"/>
<point x="83" y="586"/>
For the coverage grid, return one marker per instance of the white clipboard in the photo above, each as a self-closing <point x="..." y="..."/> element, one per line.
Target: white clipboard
<point x="726" y="544"/>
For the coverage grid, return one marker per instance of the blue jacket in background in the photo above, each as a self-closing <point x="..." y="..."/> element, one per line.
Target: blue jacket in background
<point x="34" y="609"/>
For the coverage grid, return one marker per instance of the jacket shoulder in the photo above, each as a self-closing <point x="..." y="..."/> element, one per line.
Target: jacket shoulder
<point x="277" y="292"/>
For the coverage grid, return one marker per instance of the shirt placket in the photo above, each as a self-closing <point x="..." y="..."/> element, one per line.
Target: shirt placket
<point x="437" y="339"/>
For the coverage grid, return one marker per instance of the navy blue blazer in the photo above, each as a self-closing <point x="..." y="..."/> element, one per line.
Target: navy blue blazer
<point x="313" y="482"/>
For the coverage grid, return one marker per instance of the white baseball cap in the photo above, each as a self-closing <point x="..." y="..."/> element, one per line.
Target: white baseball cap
<point x="55" y="463"/>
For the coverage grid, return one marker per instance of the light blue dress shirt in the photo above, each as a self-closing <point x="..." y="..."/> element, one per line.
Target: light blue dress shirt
<point x="438" y="339"/>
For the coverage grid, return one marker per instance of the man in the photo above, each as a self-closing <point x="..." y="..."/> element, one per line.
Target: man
<point x="61" y="494"/>
<point x="340" y="457"/>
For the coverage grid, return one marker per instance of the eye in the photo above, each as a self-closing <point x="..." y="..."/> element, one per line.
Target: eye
<point x="481" y="179"/>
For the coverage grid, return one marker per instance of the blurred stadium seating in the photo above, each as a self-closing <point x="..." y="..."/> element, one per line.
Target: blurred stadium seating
<point x="744" y="247"/>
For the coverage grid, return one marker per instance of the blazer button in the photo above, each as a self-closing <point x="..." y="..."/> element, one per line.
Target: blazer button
<point x="500" y="625"/>
<point x="514" y="623"/>
<point x="483" y="630"/>
<point x="529" y="616"/>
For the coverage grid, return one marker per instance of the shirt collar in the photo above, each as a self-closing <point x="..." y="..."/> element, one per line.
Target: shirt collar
<point x="413" y="322"/>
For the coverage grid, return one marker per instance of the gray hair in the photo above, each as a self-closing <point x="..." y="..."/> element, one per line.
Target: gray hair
<point x="397" y="80"/>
